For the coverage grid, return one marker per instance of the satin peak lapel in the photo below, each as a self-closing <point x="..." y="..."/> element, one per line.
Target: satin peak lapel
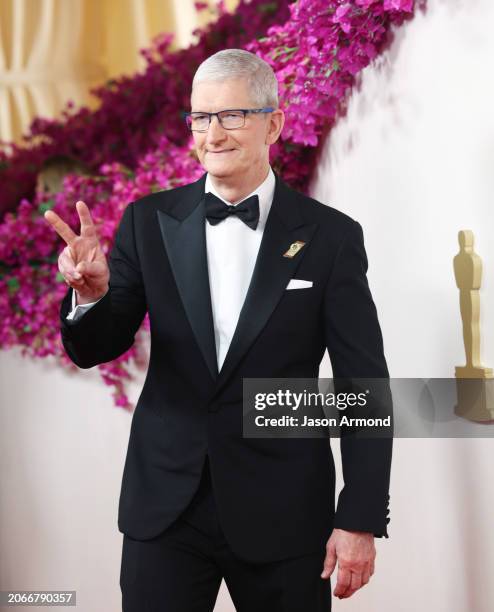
<point x="183" y="231"/>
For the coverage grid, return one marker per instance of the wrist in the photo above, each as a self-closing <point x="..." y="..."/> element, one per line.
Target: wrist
<point x="81" y="300"/>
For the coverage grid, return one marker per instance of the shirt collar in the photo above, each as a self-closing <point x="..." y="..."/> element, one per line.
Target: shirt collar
<point x="265" y="193"/>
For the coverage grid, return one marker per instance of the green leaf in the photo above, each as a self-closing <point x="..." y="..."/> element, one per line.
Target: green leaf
<point x="268" y="7"/>
<point x="44" y="206"/>
<point x="13" y="285"/>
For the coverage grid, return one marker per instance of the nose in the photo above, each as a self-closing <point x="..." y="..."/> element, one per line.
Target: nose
<point x="216" y="132"/>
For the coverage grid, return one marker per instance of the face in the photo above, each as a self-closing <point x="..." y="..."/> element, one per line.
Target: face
<point x="238" y="152"/>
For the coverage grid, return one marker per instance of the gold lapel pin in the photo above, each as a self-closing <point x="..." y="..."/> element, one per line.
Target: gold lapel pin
<point x="294" y="248"/>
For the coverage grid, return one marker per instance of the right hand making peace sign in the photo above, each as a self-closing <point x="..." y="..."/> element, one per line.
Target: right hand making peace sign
<point x="82" y="263"/>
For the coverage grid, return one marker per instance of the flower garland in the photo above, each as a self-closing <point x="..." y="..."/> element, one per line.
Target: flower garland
<point x="136" y="143"/>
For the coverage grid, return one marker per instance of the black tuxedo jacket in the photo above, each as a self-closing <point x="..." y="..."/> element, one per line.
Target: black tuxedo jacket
<point x="275" y="497"/>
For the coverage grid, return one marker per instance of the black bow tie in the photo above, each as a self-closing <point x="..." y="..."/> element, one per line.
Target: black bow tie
<point x="247" y="210"/>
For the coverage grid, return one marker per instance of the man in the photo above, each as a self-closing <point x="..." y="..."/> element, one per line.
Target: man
<point x="199" y="501"/>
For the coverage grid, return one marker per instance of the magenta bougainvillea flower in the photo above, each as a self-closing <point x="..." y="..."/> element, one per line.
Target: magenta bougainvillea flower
<point x="136" y="143"/>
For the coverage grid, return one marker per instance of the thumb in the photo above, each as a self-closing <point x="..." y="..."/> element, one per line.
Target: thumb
<point x="81" y="267"/>
<point x="90" y="268"/>
<point x="329" y="561"/>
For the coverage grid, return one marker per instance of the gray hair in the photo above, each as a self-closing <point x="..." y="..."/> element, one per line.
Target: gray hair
<point x="237" y="64"/>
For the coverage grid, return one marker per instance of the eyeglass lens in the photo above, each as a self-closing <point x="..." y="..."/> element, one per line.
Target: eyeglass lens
<point x="229" y="120"/>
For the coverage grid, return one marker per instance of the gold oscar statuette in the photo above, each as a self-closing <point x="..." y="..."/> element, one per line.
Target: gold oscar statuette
<point x="474" y="382"/>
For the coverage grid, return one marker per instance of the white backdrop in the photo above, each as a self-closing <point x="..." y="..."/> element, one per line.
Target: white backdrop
<point x="412" y="161"/>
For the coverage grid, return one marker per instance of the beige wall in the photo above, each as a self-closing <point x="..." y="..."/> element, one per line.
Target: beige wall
<point x="413" y="162"/>
<point x="55" y="50"/>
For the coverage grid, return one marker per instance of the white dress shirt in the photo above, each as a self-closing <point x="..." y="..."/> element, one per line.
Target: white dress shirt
<point x="232" y="249"/>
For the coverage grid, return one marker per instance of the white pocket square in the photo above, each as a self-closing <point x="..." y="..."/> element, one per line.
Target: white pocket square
<point x="298" y="283"/>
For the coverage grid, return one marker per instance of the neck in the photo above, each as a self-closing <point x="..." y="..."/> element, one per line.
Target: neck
<point x="236" y="188"/>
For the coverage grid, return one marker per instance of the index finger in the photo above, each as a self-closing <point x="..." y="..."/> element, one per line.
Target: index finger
<point x="343" y="581"/>
<point x="62" y="229"/>
<point x="87" y="225"/>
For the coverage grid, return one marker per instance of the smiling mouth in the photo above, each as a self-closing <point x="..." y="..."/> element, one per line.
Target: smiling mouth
<point x="224" y="151"/>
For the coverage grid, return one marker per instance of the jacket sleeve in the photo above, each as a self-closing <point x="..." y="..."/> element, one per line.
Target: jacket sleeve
<point x="355" y="346"/>
<point x="107" y="329"/>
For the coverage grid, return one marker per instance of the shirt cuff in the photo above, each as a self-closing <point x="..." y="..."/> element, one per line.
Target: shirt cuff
<point x="79" y="309"/>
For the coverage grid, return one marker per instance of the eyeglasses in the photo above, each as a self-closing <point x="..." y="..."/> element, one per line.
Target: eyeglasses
<point x="229" y="119"/>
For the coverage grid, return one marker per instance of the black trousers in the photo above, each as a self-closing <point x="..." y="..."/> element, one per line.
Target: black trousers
<point x="181" y="570"/>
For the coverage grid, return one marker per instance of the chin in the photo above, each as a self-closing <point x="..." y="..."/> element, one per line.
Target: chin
<point x="220" y="169"/>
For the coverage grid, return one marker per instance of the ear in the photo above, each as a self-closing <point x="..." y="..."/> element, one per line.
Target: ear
<point x="276" y="123"/>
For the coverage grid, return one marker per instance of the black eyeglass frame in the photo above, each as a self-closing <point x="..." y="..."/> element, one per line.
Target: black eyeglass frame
<point x="245" y="111"/>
